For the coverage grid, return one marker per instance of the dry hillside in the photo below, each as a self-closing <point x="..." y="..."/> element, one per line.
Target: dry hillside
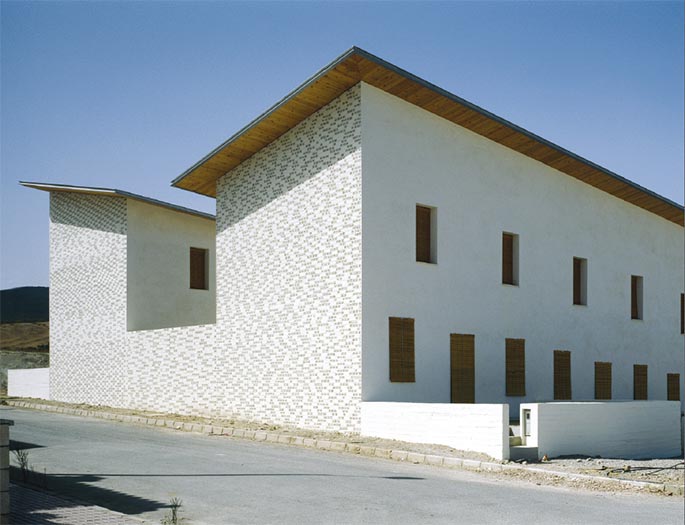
<point x="24" y="336"/>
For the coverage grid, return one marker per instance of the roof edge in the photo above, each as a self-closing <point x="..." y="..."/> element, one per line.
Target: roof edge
<point x="511" y="125"/>
<point x="113" y="192"/>
<point x="455" y="98"/>
<point x="267" y="112"/>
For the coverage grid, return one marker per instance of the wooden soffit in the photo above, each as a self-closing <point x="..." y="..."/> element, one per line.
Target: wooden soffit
<point x="358" y="65"/>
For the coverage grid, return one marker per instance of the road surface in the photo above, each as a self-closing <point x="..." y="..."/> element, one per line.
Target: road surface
<point x="136" y="470"/>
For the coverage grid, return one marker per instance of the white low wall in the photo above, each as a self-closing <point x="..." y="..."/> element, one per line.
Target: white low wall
<point x="478" y="427"/>
<point x="29" y="382"/>
<point x="612" y="429"/>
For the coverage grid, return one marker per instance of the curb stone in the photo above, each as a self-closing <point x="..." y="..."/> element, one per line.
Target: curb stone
<point x="340" y="446"/>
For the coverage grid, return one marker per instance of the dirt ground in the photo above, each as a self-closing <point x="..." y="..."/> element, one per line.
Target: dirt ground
<point x="653" y="470"/>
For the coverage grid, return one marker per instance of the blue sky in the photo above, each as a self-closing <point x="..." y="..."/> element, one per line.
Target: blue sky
<point x="130" y="94"/>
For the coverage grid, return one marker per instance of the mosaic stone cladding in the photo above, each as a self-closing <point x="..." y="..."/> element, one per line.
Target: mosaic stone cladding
<point x="289" y="280"/>
<point x="87" y="298"/>
<point x="286" y="347"/>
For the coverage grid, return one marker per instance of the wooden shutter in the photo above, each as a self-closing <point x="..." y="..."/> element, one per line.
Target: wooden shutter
<point x="639" y="382"/>
<point x="577" y="281"/>
<point x="423" y="234"/>
<point x="562" y="374"/>
<point x="634" y="310"/>
<point x="401" y="350"/>
<point x="602" y="380"/>
<point x="198" y="264"/>
<point x="515" y="367"/>
<point x="462" y="365"/>
<point x="682" y="313"/>
<point x="507" y="258"/>
<point x="673" y="387"/>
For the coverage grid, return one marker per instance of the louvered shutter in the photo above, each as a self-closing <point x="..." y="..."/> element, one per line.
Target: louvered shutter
<point x="507" y="258"/>
<point x="515" y="367"/>
<point x="639" y="382"/>
<point x="198" y="278"/>
<point x="673" y="387"/>
<point x="602" y="380"/>
<point x="634" y="310"/>
<point x="423" y="234"/>
<point x="562" y="374"/>
<point x="402" y="369"/>
<point x="577" y="281"/>
<point x="462" y="364"/>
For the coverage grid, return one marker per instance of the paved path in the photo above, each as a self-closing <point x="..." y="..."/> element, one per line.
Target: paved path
<point x="136" y="470"/>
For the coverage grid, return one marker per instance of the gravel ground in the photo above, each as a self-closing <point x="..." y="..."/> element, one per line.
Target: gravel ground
<point x="670" y="471"/>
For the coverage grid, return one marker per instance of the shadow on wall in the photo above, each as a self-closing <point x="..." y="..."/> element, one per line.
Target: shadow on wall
<point x="320" y="142"/>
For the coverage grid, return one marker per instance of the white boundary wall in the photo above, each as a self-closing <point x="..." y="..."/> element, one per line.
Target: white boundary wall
<point x="616" y="429"/>
<point x="478" y="427"/>
<point x="29" y="382"/>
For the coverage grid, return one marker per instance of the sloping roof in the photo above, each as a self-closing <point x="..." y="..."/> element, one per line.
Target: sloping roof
<point x="357" y="65"/>
<point x="110" y="192"/>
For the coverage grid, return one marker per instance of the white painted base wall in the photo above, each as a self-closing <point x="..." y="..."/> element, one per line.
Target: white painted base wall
<point x="478" y="427"/>
<point x="616" y="429"/>
<point x="29" y="382"/>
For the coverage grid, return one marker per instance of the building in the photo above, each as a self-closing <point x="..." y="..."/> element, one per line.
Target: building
<point x="376" y="239"/>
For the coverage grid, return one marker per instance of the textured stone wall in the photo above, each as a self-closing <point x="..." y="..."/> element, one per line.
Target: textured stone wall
<point x="289" y="276"/>
<point x="286" y="347"/>
<point x="88" y="298"/>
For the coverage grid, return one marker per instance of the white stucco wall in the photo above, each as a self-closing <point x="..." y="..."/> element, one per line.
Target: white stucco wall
<point x="29" y="382"/>
<point x="629" y="429"/>
<point x="481" y="189"/>
<point x="158" y="268"/>
<point x="478" y="427"/>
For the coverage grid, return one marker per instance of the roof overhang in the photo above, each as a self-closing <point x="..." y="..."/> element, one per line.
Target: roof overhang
<point x="357" y="65"/>
<point x="110" y="192"/>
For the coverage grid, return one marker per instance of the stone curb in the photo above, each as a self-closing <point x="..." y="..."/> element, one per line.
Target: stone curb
<point x="341" y="446"/>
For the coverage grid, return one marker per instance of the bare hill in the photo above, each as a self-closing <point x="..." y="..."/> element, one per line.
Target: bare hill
<point x="25" y="336"/>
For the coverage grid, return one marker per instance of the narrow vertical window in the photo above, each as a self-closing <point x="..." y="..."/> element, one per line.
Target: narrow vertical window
<point x="510" y="258"/>
<point x="636" y="284"/>
<point x="426" y="234"/>
<point x="401" y="350"/>
<point x="562" y="374"/>
<point x="602" y="380"/>
<point x="198" y="269"/>
<point x="639" y="382"/>
<point x="579" y="281"/>
<point x="682" y="313"/>
<point x="673" y="387"/>
<point x="462" y="368"/>
<point x="515" y="367"/>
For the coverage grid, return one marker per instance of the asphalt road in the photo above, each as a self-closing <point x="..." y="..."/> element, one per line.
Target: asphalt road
<point x="136" y="470"/>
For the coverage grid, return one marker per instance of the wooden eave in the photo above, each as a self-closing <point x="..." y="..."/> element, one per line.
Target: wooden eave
<point x="357" y="65"/>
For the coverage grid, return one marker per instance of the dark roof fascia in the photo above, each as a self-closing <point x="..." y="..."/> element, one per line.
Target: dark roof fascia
<point x="45" y="186"/>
